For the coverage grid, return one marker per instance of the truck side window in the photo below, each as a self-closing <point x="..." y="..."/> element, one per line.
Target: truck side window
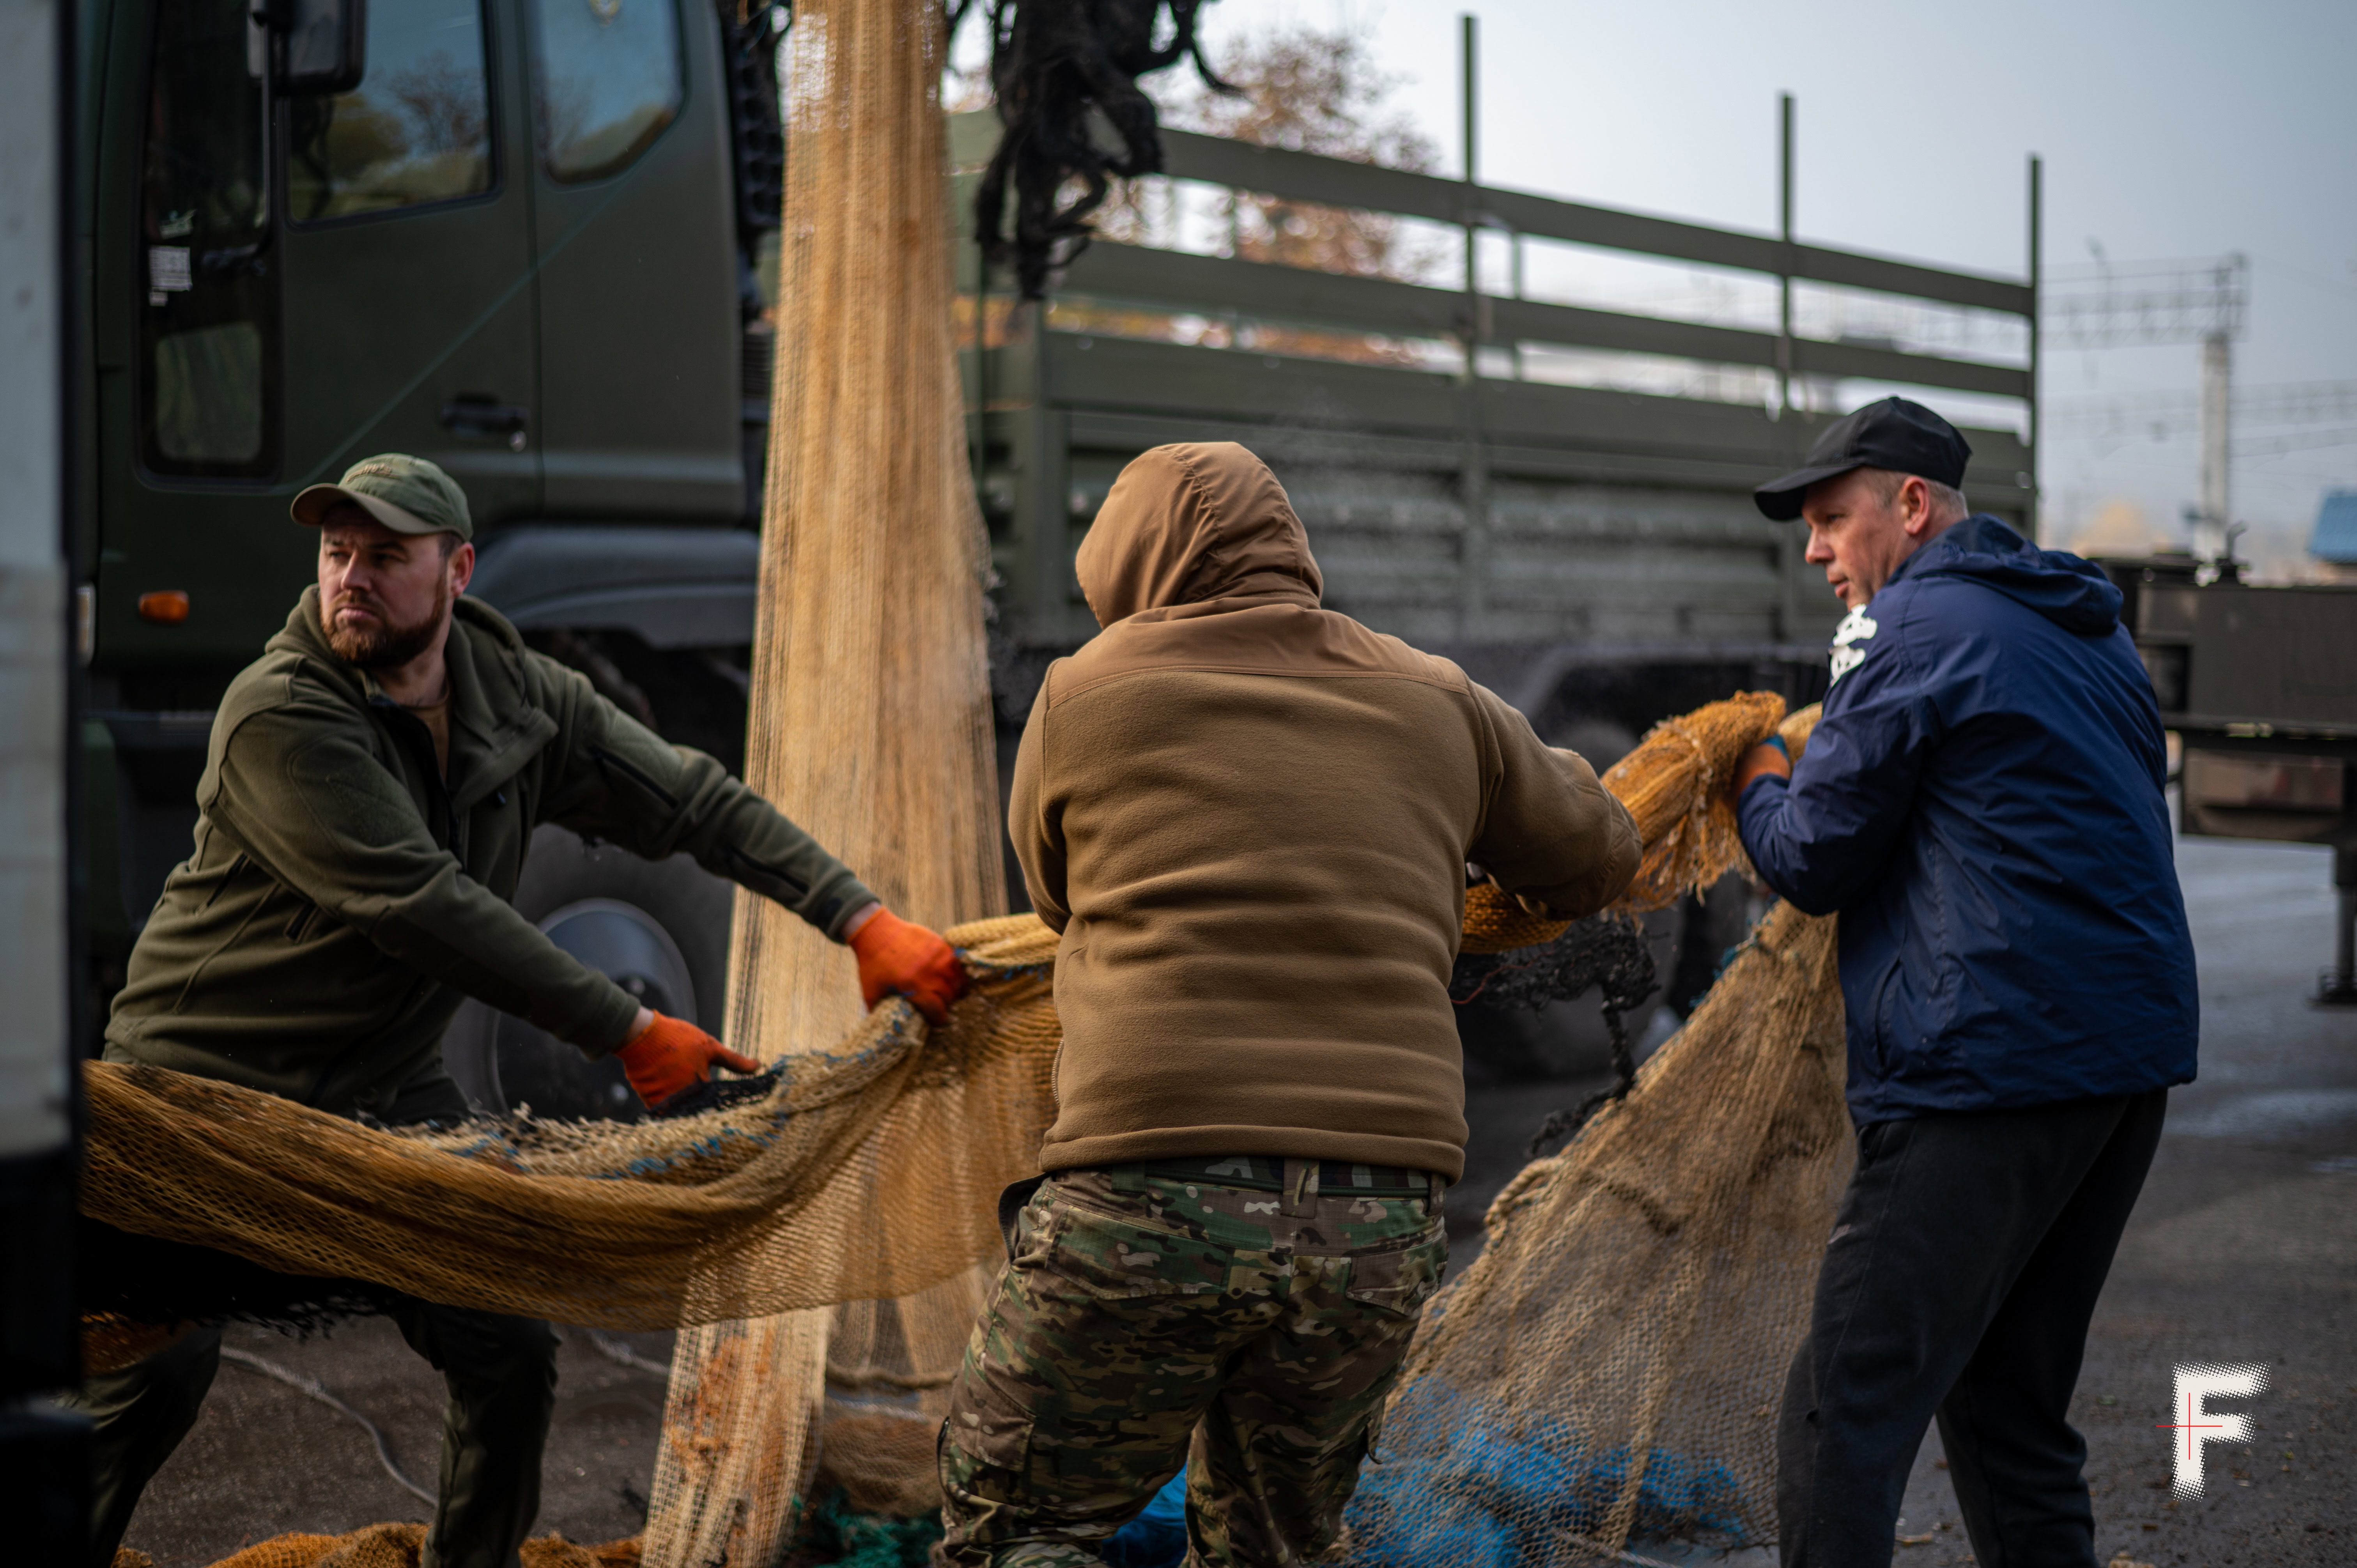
<point x="417" y="129"/>
<point x="606" y="81"/>
<point x="207" y="366"/>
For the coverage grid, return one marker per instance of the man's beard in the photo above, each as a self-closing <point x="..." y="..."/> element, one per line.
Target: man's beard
<point x="388" y="646"/>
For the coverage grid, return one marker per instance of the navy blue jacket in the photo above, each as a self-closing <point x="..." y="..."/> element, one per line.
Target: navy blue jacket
<point x="1982" y="803"/>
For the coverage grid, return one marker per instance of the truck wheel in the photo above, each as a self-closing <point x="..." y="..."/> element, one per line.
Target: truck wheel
<point x="659" y="927"/>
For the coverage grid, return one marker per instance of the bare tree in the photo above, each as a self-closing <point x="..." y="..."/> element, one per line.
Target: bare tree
<point x="1301" y="88"/>
<point x="1311" y="91"/>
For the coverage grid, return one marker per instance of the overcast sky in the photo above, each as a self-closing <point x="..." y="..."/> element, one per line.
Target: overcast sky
<point x="2169" y="129"/>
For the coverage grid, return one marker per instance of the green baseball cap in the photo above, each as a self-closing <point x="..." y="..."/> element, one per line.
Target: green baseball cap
<point x="408" y="495"/>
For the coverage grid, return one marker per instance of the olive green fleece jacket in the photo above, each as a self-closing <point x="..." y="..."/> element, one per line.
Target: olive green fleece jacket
<point x="341" y="900"/>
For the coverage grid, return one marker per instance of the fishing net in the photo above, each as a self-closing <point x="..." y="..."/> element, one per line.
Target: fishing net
<point x="396" y="1546"/>
<point x="1608" y="1368"/>
<point x="868" y="1171"/>
<point x="869" y="722"/>
<point x="871" y="1171"/>
<point x="1063" y="73"/>
<point x="828" y="1219"/>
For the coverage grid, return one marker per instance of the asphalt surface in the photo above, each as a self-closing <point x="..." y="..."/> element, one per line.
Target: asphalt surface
<point x="2243" y="1249"/>
<point x="264" y="1459"/>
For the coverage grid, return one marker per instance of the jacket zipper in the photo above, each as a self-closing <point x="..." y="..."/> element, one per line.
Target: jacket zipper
<point x="603" y="758"/>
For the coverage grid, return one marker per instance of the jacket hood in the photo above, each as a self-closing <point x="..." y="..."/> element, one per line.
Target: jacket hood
<point x="2071" y="593"/>
<point x="1191" y="523"/>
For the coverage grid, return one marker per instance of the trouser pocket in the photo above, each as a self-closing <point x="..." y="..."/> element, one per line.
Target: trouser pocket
<point x="1400" y="1275"/>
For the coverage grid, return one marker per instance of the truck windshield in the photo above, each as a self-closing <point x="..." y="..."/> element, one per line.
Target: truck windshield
<point x="417" y="129"/>
<point x="205" y="377"/>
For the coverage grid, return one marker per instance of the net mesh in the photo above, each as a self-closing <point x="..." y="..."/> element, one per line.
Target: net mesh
<point x="871" y="724"/>
<point x="1637" y="1295"/>
<point x="869" y="1171"/>
<point x="1608" y="1368"/>
<point x="395" y="1546"/>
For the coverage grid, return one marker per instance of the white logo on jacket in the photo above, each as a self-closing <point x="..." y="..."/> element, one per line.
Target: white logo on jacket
<point x="1856" y="627"/>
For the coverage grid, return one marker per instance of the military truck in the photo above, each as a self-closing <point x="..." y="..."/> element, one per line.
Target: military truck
<point x="518" y="237"/>
<point x="524" y="238"/>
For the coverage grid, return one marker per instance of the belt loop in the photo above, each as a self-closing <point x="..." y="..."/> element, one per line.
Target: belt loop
<point x="1130" y="1177"/>
<point x="1301" y="1190"/>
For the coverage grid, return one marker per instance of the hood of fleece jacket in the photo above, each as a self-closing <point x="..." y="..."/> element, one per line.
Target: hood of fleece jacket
<point x="2071" y="592"/>
<point x="1191" y="524"/>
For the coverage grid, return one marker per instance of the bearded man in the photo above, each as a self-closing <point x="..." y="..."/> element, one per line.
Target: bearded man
<point x="371" y="789"/>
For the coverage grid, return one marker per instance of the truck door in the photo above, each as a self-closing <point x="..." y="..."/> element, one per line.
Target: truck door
<point x="410" y="303"/>
<point x="639" y="331"/>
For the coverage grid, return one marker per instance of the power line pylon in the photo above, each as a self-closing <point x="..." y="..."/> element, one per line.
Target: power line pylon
<point x="2109" y="306"/>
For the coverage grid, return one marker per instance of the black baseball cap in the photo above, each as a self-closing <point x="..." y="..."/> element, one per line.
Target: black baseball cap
<point x="1894" y="434"/>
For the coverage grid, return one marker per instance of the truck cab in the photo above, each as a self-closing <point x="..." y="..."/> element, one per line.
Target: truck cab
<point x="518" y="237"/>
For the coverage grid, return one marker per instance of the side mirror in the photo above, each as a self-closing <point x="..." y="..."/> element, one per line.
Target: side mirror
<point x="323" y="44"/>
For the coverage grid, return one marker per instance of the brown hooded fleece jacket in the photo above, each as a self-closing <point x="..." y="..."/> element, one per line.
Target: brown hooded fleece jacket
<point x="1249" y="816"/>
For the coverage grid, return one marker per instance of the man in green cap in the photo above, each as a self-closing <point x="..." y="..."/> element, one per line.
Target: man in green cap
<point x="371" y="791"/>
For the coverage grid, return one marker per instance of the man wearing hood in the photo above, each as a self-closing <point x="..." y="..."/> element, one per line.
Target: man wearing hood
<point x="371" y="791"/>
<point x="1249" y="818"/>
<point x="1982" y="803"/>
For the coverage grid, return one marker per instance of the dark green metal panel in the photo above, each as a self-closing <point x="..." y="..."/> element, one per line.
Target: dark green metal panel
<point x="1304" y="176"/>
<point x="640" y="335"/>
<point x="1335" y="182"/>
<point x="1450" y="507"/>
<point x="1611" y="517"/>
<point x="1866" y="363"/>
<point x="1675" y="440"/>
<point x="607" y="311"/>
<point x="1081" y="370"/>
<point x="1272" y="293"/>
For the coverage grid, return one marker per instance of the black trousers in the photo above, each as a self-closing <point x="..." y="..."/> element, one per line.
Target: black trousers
<point x="501" y="1372"/>
<point x="1961" y="1273"/>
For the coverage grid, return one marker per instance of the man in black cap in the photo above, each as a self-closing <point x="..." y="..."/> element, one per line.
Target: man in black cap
<point x="1982" y="803"/>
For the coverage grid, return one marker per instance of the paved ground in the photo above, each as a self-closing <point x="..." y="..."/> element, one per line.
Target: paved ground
<point x="2244" y="1249"/>
<point x="264" y="1459"/>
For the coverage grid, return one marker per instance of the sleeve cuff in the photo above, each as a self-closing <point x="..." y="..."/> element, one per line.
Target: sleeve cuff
<point x="837" y="903"/>
<point x="610" y="1031"/>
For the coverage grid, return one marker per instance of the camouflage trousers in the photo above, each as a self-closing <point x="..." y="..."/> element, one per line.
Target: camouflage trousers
<point x="1205" y="1313"/>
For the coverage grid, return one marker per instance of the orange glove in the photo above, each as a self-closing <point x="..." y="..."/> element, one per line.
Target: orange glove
<point x="895" y="955"/>
<point x="669" y="1055"/>
<point x="1768" y="757"/>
